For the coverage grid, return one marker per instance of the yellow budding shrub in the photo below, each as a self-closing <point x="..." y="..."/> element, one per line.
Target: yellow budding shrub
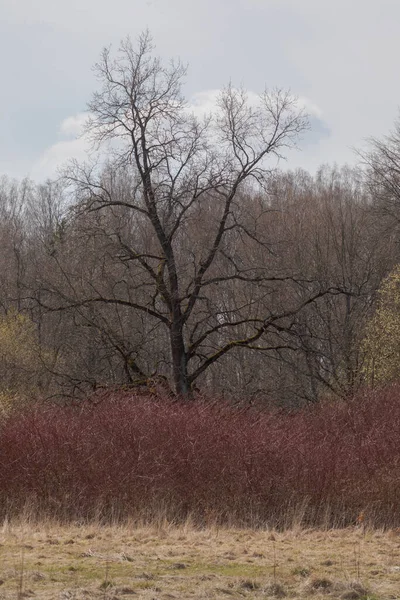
<point x="381" y="345"/>
<point x="21" y="358"/>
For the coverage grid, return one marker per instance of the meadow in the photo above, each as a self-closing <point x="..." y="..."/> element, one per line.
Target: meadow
<point x="128" y="495"/>
<point x="163" y="561"/>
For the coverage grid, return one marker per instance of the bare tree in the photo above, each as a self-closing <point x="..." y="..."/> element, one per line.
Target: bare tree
<point x="381" y="162"/>
<point x="337" y="239"/>
<point x="168" y="176"/>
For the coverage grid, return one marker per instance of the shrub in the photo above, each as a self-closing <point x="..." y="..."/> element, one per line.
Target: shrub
<point x="137" y="457"/>
<point x="381" y="346"/>
<point x="21" y="359"/>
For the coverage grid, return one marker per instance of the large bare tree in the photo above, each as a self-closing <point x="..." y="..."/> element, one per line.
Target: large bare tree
<point x="171" y="204"/>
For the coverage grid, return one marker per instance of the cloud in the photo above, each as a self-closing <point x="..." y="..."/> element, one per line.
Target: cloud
<point x="341" y="67"/>
<point x="75" y="145"/>
<point x="204" y="102"/>
<point x="310" y="107"/>
<point x="74" y="126"/>
<point x="52" y="160"/>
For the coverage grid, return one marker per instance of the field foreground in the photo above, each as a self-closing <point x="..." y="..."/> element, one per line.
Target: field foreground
<point x="72" y="563"/>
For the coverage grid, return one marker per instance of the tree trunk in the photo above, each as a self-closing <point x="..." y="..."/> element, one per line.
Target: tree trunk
<point x="179" y="361"/>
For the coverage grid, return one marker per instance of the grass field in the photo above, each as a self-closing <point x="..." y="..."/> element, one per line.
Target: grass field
<point x="164" y="562"/>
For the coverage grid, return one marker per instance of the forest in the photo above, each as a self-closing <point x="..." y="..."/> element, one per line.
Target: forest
<point x="181" y="259"/>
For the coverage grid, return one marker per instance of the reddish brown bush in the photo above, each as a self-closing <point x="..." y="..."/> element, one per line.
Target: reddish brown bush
<point x="139" y="457"/>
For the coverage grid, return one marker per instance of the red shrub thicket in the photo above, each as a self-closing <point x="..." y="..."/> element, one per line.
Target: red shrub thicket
<point x="132" y="457"/>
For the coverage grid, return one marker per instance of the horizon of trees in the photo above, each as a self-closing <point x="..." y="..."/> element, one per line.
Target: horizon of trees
<point x="185" y="263"/>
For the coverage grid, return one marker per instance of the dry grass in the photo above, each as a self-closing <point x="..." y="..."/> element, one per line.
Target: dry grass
<point x="163" y="562"/>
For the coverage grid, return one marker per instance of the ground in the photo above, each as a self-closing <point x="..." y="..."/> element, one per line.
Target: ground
<point x="47" y="561"/>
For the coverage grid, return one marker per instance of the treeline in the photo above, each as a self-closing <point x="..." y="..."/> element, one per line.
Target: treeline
<point x="180" y="262"/>
<point x="321" y="233"/>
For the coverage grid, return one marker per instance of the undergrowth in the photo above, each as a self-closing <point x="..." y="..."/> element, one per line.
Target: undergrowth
<point x="133" y="457"/>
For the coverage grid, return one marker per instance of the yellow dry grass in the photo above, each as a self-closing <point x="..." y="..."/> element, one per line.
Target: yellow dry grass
<point x="47" y="561"/>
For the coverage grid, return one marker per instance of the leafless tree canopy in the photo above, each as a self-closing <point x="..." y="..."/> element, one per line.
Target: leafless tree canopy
<point x="171" y="171"/>
<point x="181" y="256"/>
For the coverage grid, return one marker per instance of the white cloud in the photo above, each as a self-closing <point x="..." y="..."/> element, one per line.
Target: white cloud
<point x="75" y="146"/>
<point x="310" y="107"/>
<point x="339" y="57"/>
<point x="74" y="126"/>
<point x="205" y="102"/>
<point x="52" y="160"/>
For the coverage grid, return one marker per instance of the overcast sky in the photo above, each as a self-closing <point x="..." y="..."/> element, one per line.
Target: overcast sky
<point x="339" y="56"/>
